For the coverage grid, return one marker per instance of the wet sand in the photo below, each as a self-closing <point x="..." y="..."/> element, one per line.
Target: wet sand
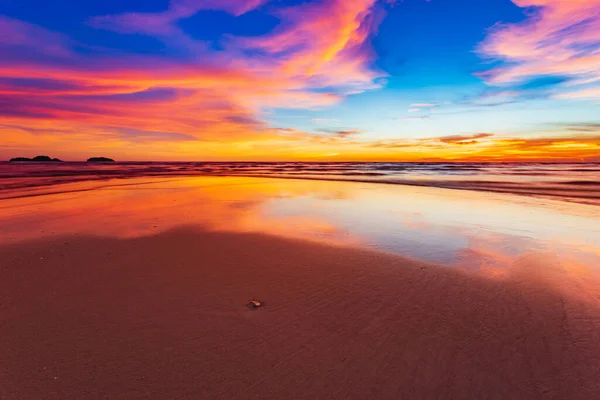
<point x="165" y="317"/>
<point x="575" y="182"/>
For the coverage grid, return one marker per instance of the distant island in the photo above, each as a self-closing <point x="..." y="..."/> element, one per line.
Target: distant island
<point x="35" y="159"/>
<point x="100" y="160"/>
<point x="49" y="159"/>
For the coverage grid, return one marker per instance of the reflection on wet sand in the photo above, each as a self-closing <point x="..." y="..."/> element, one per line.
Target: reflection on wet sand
<point x="123" y="211"/>
<point x="468" y="229"/>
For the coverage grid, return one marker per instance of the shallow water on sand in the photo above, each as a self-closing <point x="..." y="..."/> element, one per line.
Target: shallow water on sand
<point x="578" y="182"/>
<point x="486" y="232"/>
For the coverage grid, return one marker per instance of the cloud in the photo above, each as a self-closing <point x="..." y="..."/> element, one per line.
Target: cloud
<point x="324" y="43"/>
<point x="562" y="147"/>
<point x="419" y="118"/>
<point x="583" y="127"/>
<point x="418" y="107"/>
<point x="553" y="144"/>
<point x="423" y="105"/>
<point x="342" y="133"/>
<point x="51" y="87"/>
<point x="492" y="98"/>
<point x="464" y="139"/>
<point x="561" y="38"/>
<point x="165" y="23"/>
<point x="589" y="93"/>
<point x="391" y="144"/>
<point x="19" y="35"/>
<point x="137" y="136"/>
<point x="317" y="44"/>
<point x="318" y="54"/>
<point x="324" y="121"/>
<point x="432" y="142"/>
<point x="32" y="130"/>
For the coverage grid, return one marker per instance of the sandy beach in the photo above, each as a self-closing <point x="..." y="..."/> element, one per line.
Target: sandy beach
<point x="165" y="316"/>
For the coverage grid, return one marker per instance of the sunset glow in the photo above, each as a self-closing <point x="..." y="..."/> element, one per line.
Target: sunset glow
<point x="322" y="80"/>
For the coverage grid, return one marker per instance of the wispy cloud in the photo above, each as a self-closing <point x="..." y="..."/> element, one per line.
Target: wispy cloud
<point x="588" y="93"/>
<point x="324" y="43"/>
<point x="137" y="136"/>
<point x="584" y="127"/>
<point x="18" y="35"/>
<point x="419" y="118"/>
<point x="324" y="121"/>
<point x="423" y="105"/>
<point x="561" y="38"/>
<point x="165" y="23"/>
<point x="464" y="139"/>
<point x="342" y="133"/>
<point x="439" y="142"/>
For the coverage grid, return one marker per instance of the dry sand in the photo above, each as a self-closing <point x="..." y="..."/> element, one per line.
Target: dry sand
<point x="164" y="317"/>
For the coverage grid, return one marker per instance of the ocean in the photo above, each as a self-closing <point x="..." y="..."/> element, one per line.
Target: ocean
<point x="578" y="182"/>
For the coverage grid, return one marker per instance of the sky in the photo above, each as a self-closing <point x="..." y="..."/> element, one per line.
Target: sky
<point x="306" y="80"/>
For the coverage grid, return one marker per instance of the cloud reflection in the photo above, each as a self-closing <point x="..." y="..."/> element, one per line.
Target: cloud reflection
<point x="454" y="229"/>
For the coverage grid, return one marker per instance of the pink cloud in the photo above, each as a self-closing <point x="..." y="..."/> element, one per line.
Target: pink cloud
<point x="591" y="93"/>
<point x="163" y="23"/>
<point x="215" y="95"/>
<point x="560" y="38"/>
<point x="324" y="43"/>
<point x="235" y="7"/>
<point x="316" y="44"/>
<point x="16" y="33"/>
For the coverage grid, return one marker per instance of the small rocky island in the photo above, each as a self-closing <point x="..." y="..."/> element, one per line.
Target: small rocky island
<point x="35" y="159"/>
<point x="100" y="160"/>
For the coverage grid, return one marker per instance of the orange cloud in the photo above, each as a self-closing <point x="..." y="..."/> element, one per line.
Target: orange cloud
<point x="462" y="139"/>
<point x="578" y="147"/>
